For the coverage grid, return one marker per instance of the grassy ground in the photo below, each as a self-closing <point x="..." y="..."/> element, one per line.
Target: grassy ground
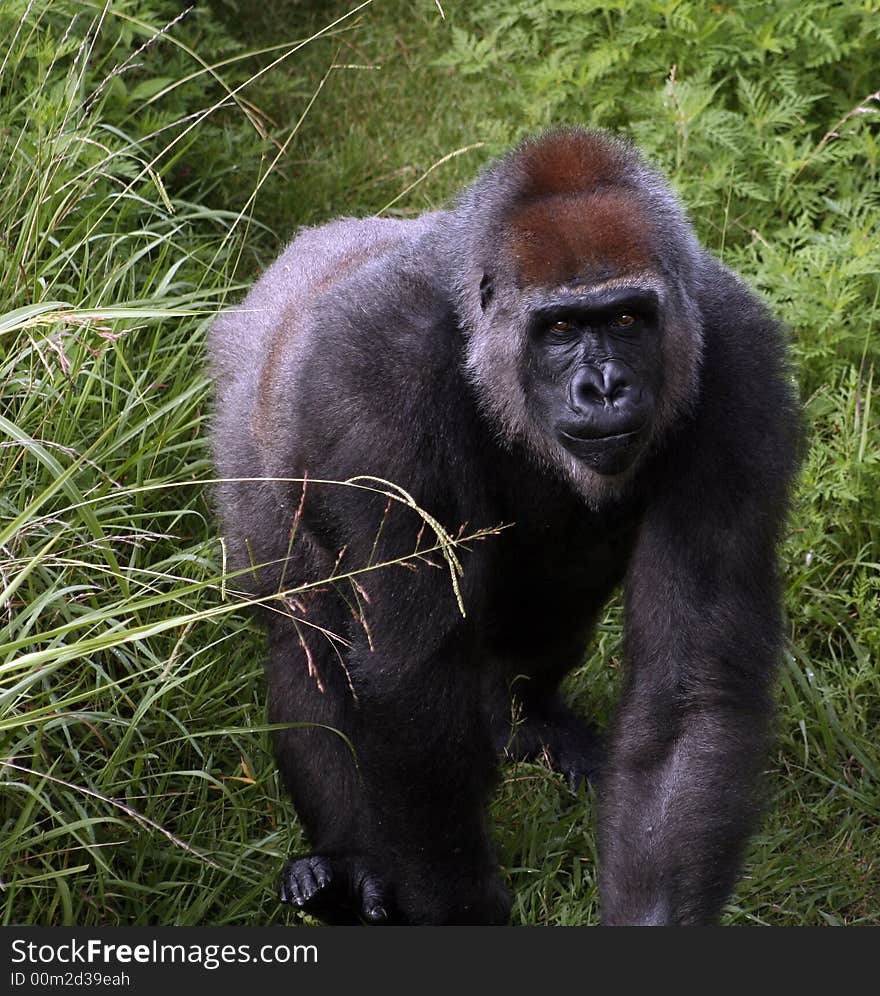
<point x="148" y="170"/>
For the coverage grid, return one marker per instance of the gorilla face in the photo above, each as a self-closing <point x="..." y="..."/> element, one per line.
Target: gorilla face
<point x="593" y="372"/>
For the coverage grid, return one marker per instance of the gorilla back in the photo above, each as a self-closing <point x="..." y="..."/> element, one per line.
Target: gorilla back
<point x="555" y="353"/>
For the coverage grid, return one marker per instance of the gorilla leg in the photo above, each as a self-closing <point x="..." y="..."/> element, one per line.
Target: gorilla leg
<point x="391" y="778"/>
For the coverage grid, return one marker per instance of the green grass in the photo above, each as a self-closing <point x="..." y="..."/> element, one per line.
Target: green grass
<point x="148" y="173"/>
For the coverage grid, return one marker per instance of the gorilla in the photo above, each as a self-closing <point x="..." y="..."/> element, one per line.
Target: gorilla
<point x="444" y="443"/>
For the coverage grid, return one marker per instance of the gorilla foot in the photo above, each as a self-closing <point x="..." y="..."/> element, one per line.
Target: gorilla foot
<point x="571" y="746"/>
<point x="337" y="890"/>
<point x="584" y="764"/>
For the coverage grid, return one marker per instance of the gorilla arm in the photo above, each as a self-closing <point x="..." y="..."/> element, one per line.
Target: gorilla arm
<point x="425" y="762"/>
<point x="679" y="799"/>
<point x="704" y="631"/>
<point x="378" y="398"/>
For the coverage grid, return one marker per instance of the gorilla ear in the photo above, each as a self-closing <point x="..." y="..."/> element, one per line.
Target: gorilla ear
<point x="486" y="291"/>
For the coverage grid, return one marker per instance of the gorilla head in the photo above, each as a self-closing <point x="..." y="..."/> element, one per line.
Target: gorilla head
<point x="572" y="279"/>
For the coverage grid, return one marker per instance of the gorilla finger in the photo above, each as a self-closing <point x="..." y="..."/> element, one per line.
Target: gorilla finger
<point x="289" y="891"/>
<point x="308" y="886"/>
<point x="374" y="903"/>
<point x="322" y="871"/>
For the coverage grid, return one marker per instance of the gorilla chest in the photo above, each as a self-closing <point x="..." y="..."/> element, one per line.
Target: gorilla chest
<point x="551" y="577"/>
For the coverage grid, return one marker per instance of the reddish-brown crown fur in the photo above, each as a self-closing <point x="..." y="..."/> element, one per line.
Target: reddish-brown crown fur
<point x="569" y="163"/>
<point x="574" y="218"/>
<point x="559" y="238"/>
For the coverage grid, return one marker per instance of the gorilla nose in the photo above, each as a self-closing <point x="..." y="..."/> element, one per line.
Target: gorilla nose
<point x="608" y="385"/>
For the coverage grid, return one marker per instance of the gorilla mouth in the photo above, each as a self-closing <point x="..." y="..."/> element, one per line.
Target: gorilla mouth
<point x="610" y="454"/>
<point x="612" y="440"/>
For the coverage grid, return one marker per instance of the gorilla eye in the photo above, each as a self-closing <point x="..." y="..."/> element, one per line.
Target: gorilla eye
<point x="623" y="321"/>
<point x="560" y="326"/>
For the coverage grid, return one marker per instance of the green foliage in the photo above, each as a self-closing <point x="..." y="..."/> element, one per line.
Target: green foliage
<point x="150" y="163"/>
<point x="116" y="719"/>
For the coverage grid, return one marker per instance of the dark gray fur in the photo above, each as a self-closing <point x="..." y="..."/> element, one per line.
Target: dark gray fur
<point x="366" y="349"/>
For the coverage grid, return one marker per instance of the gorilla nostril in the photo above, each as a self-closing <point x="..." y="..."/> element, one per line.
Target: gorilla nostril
<point x="615" y="381"/>
<point x="619" y="391"/>
<point x="587" y="388"/>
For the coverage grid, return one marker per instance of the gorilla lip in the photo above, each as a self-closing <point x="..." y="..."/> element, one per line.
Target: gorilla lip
<point x="606" y="454"/>
<point x="598" y="439"/>
<point x="601" y="442"/>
